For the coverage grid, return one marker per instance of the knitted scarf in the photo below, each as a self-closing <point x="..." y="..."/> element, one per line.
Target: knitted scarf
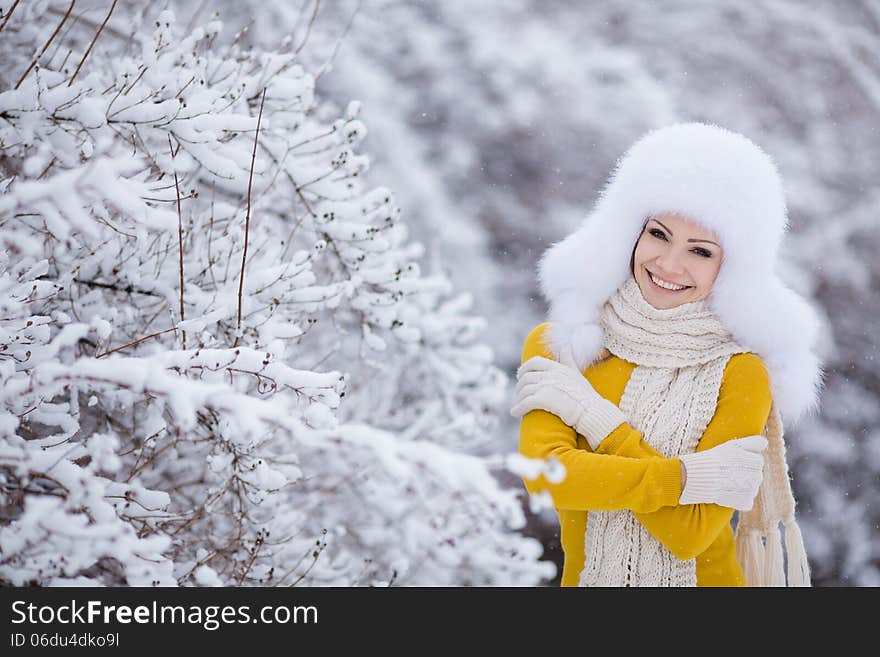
<point x="680" y="355"/>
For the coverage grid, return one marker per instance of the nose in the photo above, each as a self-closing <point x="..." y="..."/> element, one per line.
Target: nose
<point x="669" y="263"/>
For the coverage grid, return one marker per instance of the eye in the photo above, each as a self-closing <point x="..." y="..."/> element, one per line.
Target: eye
<point x="656" y="232"/>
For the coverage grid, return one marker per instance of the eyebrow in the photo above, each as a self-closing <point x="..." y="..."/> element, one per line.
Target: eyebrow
<point x="689" y="240"/>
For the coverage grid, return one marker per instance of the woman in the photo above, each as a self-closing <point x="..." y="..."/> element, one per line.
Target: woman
<point x="671" y="347"/>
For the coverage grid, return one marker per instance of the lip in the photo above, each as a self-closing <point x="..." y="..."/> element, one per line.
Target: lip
<point x="663" y="289"/>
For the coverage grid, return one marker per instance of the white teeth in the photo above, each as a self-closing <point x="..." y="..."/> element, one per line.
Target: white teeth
<point x="665" y="285"/>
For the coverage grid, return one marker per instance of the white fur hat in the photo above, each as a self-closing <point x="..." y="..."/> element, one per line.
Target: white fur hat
<point x="729" y="185"/>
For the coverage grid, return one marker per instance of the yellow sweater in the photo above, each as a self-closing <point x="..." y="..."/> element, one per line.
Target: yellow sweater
<point x="627" y="473"/>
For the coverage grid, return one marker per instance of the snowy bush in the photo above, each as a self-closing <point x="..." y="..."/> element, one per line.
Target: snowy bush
<point x="220" y="362"/>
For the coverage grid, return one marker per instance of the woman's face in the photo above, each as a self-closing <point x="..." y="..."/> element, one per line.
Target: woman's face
<point x="679" y="252"/>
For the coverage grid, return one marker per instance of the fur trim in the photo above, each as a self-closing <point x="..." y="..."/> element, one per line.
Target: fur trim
<point x="729" y="185"/>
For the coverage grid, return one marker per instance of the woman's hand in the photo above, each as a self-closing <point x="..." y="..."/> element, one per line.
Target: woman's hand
<point x="728" y="474"/>
<point x="547" y="385"/>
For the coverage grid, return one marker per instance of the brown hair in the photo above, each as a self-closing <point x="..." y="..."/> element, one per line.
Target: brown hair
<point x="632" y="258"/>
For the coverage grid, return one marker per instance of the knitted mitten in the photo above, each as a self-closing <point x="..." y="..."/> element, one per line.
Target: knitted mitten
<point x="728" y="474"/>
<point x="562" y="390"/>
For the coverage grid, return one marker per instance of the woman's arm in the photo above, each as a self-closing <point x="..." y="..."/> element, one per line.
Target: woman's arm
<point x="603" y="482"/>
<point x="743" y="408"/>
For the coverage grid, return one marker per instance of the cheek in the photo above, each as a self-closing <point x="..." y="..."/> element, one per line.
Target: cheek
<point x="707" y="274"/>
<point x="644" y="252"/>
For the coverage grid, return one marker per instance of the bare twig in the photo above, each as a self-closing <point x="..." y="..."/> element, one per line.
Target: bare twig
<point x="258" y="543"/>
<point x="211" y="234"/>
<point x="338" y="42"/>
<point x="100" y="29"/>
<point x="309" y="26"/>
<point x="9" y="14"/>
<point x="109" y="286"/>
<point x="136" y="80"/>
<point x="51" y="38"/>
<point x="247" y="220"/>
<point x="135" y="342"/>
<point x="179" y="237"/>
<point x="81" y="18"/>
<point x="194" y="17"/>
<point x="315" y="554"/>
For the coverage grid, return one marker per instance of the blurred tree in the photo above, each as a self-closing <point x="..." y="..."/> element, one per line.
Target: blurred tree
<point x="498" y="122"/>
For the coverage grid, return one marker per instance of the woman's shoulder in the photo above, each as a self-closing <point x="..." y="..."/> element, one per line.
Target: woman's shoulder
<point x="536" y="343"/>
<point x="747" y="367"/>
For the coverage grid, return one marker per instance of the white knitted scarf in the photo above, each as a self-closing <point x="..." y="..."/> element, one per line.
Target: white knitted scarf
<point x="680" y="355"/>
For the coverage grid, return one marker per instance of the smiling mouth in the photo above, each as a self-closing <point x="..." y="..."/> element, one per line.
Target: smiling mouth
<point x="660" y="288"/>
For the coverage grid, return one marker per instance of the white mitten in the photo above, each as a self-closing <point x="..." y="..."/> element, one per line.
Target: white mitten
<point x="728" y="474"/>
<point x="545" y="384"/>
